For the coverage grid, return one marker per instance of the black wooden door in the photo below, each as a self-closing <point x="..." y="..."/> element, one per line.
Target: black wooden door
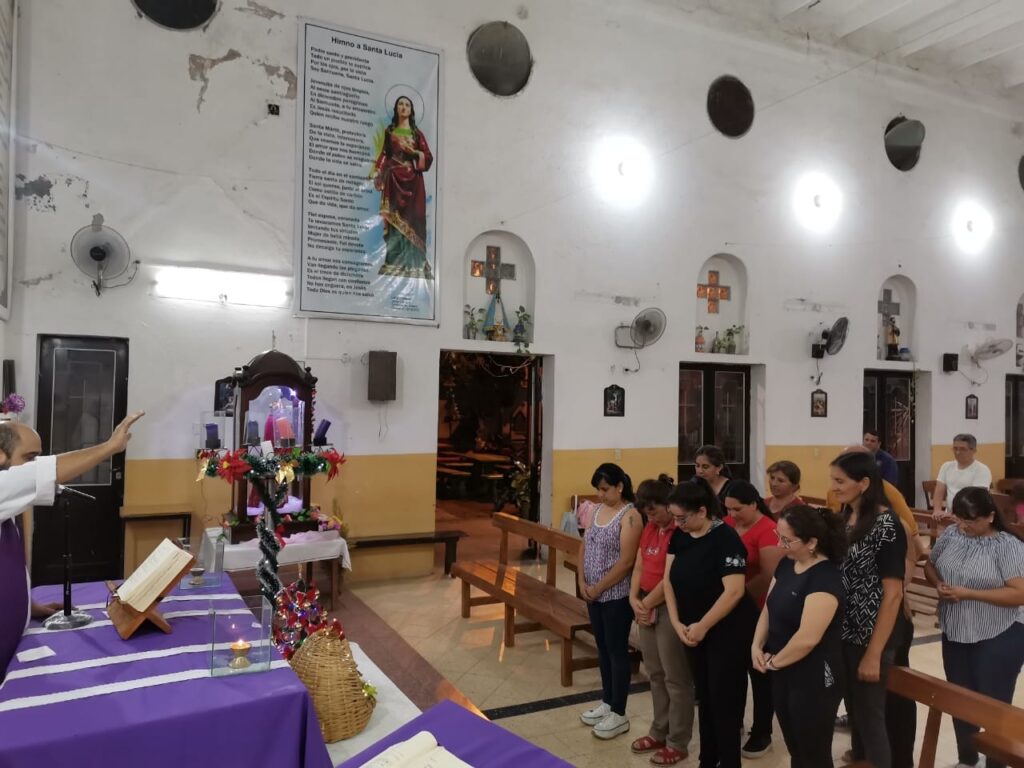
<point x="714" y="409"/>
<point x="889" y="408"/>
<point x="1014" y="425"/>
<point x="82" y="394"/>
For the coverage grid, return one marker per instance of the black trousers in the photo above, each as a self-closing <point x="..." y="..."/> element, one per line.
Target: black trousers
<point x="764" y="708"/>
<point x="719" y="666"/>
<point x="611" y="622"/>
<point x="806" y="698"/>
<point x="901" y="713"/>
<point x="865" y="703"/>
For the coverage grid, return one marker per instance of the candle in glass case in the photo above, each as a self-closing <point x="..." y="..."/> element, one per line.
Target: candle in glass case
<point x="212" y="436"/>
<point x="240" y="648"/>
<point x="285" y="433"/>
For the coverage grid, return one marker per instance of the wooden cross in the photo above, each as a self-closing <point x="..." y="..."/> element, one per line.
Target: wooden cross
<point x="713" y="292"/>
<point x="887" y="306"/>
<point x="492" y="270"/>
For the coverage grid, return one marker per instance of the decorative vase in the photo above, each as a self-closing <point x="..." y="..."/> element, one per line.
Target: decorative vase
<point x="519" y="333"/>
<point x="699" y="342"/>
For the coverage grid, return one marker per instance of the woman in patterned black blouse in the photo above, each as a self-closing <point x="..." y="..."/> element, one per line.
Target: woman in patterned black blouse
<point x="873" y="579"/>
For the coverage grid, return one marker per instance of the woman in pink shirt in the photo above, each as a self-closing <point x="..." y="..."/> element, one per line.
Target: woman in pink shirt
<point x="664" y="656"/>
<point x="753" y="521"/>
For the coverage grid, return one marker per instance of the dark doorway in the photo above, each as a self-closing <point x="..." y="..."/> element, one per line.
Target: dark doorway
<point x="489" y="432"/>
<point x="714" y="409"/>
<point x="83" y="392"/>
<point x="889" y="408"/>
<point x="1014" y="425"/>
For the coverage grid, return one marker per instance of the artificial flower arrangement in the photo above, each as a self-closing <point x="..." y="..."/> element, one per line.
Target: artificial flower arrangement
<point x="13" y="403"/>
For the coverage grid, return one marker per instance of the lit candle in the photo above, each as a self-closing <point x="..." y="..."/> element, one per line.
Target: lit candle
<point x="285" y="434"/>
<point x="240" y="648"/>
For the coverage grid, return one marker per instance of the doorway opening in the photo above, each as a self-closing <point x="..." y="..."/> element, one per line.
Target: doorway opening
<point x="890" y="409"/>
<point x="1014" y="425"/>
<point x="489" y="443"/>
<point x="83" y="393"/>
<point x="714" y="409"/>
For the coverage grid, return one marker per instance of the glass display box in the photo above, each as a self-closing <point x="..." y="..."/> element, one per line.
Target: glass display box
<point x="241" y="641"/>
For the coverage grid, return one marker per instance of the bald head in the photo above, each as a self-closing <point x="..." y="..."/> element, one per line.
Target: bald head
<point x="19" y="444"/>
<point x="855" y="448"/>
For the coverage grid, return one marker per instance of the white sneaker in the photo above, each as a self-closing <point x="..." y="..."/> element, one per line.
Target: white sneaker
<point x="612" y="725"/>
<point x="597" y="714"/>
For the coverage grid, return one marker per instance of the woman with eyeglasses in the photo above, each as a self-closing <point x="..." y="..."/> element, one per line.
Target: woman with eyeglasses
<point x="711" y="612"/>
<point x="664" y="656"/>
<point x="798" y="638"/>
<point x="978" y="569"/>
<point x="749" y="515"/>
<point x="873" y="579"/>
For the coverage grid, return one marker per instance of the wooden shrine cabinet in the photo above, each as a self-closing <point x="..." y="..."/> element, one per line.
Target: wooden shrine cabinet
<point x="273" y="396"/>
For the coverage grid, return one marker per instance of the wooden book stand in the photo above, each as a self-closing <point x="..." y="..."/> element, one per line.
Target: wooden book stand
<point x="127" y="620"/>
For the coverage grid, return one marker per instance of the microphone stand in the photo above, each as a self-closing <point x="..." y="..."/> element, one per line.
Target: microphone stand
<point x="69" y="618"/>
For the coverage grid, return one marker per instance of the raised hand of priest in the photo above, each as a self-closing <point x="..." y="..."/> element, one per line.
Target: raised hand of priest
<point x="122" y="432"/>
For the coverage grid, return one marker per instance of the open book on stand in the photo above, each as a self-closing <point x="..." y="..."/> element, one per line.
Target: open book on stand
<point x="421" y="751"/>
<point x="134" y="602"/>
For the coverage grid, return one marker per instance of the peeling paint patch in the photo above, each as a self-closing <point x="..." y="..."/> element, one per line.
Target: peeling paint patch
<point x="251" y="6"/>
<point x="199" y="68"/>
<point x="36" y="192"/>
<point x="285" y="74"/>
<point x="33" y="281"/>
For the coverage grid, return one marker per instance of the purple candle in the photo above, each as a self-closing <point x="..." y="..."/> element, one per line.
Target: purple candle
<point x="320" y="438"/>
<point x="212" y="437"/>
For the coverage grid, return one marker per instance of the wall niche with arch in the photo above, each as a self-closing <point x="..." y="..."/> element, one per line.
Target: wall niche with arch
<point x="722" y="306"/>
<point x="896" y="307"/>
<point x="498" y="286"/>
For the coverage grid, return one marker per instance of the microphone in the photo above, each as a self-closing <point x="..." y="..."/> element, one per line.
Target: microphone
<point x="62" y="489"/>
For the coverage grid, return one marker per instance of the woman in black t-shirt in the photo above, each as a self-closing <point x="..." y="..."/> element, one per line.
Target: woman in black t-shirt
<point x="798" y="635"/>
<point x="710" y="610"/>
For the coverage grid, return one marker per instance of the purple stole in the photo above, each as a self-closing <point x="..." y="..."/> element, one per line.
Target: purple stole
<point x="13" y="592"/>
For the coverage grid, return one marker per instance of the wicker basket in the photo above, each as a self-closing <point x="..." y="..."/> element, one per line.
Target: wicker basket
<point x="325" y="665"/>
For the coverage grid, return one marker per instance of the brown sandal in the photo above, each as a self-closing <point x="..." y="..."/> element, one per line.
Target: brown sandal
<point x="668" y="756"/>
<point x="645" y="744"/>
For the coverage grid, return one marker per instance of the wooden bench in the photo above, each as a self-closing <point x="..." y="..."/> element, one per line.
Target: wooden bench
<point x="542" y="602"/>
<point x="1002" y="724"/>
<point x="450" y="539"/>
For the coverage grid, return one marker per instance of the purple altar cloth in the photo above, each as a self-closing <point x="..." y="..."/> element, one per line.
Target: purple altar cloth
<point x="263" y="718"/>
<point x="473" y="739"/>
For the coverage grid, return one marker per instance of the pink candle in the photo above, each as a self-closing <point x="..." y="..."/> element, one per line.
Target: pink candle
<point x="284" y="429"/>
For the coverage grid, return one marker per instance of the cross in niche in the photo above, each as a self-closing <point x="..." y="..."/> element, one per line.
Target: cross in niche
<point x="887" y="307"/>
<point x="713" y="292"/>
<point x="492" y="270"/>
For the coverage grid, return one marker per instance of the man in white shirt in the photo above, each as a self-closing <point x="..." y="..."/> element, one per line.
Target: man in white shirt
<point x="34" y="482"/>
<point x="964" y="471"/>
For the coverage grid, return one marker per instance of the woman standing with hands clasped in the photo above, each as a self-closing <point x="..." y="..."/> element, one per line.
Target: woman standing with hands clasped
<point x="664" y="655"/>
<point x="798" y="638"/>
<point x="606" y="558"/>
<point x="712" y="614"/>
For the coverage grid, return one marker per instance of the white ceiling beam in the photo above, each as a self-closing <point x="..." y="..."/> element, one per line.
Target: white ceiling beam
<point x="866" y="14"/>
<point x="950" y="22"/>
<point x="1013" y="74"/>
<point x="784" y="8"/>
<point x="1006" y="39"/>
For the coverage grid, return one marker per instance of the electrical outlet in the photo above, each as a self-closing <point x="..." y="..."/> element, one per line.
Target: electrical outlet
<point x="273" y="109"/>
<point x="617" y="454"/>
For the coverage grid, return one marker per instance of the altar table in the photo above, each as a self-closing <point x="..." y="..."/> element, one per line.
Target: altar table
<point x="150" y="700"/>
<point x="469" y="737"/>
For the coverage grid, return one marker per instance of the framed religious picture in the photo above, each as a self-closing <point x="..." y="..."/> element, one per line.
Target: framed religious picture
<point x="819" y="404"/>
<point x="476" y="268"/>
<point x="492" y="286"/>
<point x="971" y="407"/>
<point x="713" y="292"/>
<point x="702" y="291"/>
<point x="508" y="271"/>
<point x="614" y="401"/>
<point x="724" y="292"/>
<point x="712" y="277"/>
<point x="493" y="256"/>
<point x="712" y="306"/>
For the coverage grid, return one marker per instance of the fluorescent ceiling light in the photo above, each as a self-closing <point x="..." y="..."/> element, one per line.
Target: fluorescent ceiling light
<point x="817" y="202"/>
<point x="223" y="287"/>
<point x="972" y="227"/>
<point x="622" y="171"/>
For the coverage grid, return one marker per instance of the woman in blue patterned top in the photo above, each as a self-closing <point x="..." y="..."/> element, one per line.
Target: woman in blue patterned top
<point x="605" y="563"/>
<point x="978" y="569"/>
<point x="873" y="579"/>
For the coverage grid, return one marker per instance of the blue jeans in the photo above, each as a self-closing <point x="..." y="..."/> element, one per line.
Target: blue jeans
<point x="989" y="667"/>
<point x="611" y="622"/>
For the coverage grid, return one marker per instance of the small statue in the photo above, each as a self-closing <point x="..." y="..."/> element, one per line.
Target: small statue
<point x="716" y="344"/>
<point x="892" y="339"/>
<point x="699" y="341"/>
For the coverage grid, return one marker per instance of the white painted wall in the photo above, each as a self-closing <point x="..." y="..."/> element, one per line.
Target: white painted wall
<point x="108" y="112"/>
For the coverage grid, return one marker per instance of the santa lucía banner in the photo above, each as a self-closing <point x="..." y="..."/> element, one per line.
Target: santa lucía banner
<point x="367" y="206"/>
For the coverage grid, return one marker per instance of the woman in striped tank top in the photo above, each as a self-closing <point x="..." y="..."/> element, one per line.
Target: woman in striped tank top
<point x="605" y="562"/>
<point x="978" y="569"/>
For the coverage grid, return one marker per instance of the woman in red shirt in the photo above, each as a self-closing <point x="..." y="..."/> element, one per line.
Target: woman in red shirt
<point x="664" y="656"/>
<point x="754" y="522"/>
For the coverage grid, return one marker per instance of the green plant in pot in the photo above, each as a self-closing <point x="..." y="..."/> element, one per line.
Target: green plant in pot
<point x="520" y="332"/>
<point x="733" y="334"/>
<point x="473" y="319"/>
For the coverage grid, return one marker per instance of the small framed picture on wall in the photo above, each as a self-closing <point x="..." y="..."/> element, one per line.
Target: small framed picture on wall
<point x="819" y="404"/>
<point x="971" y="407"/>
<point x="614" y="401"/>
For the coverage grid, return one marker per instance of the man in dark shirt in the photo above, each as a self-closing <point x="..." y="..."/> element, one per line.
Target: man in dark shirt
<point x="886" y="463"/>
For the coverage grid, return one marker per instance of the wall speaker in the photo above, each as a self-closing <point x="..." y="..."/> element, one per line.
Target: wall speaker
<point x="950" y="362"/>
<point x="381" y="383"/>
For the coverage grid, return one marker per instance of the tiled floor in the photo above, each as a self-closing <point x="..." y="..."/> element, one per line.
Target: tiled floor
<point x="470" y="656"/>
